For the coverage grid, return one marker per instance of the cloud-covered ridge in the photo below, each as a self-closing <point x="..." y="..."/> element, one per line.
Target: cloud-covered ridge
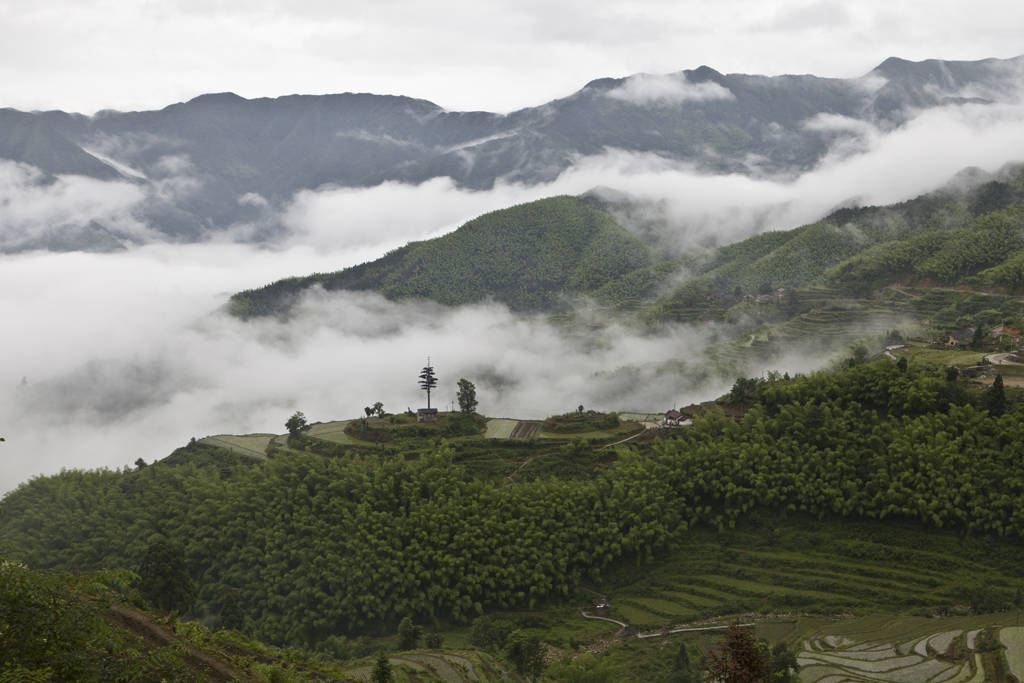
<point x="668" y="89"/>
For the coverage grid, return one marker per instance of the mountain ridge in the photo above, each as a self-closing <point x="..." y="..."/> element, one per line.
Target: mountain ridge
<point x="229" y="146"/>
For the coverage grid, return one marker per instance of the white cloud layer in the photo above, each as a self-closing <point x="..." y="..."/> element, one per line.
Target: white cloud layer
<point x="32" y="205"/>
<point x="127" y="355"/>
<point x="668" y="89"/>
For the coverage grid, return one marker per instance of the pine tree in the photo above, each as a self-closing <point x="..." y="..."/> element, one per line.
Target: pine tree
<point x="428" y="380"/>
<point x="382" y="670"/>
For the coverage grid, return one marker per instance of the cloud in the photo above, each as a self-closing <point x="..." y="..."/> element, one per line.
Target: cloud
<point x="668" y="89"/>
<point x="88" y="384"/>
<point x="82" y="56"/>
<point x="815" y="16"/>
<point x="35" y="208"/>
<point x="128" y="355"/>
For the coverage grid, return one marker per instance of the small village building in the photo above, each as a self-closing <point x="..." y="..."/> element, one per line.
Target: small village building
<point x="961" y="337"/>
<point x="426" y="415"/>
<point x="673" y="418"/>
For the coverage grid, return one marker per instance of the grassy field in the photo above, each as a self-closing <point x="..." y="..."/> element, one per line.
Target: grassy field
<point x="923" y="354"/>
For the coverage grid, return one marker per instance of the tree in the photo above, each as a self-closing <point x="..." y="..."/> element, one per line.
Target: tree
<point x="739" y="658"/>
<point x="433" y="640"/>
<point x="382" y="670"/>
<point x="231" y="612"/>
<point x="428" y="380"/>
<point x="525" y="653"/>
<point x="783" y="666"/>
<point x="164" y="579"/>
<point x="467" y="396"/>
<point x="979" y="337"/>
<point x="995" y="397"/>
<point x="378" y="409"/>
<point x="682" y="672"/>
<point x="408" y="634"/>
<point x="296" y="423"/>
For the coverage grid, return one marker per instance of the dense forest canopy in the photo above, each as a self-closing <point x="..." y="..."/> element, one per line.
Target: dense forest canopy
<point x="327" y="545"/>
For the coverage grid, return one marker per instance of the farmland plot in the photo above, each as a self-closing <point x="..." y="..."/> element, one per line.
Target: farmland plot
<point x="1013" y="638"/>
<point x="500" y="428"/>
<point x="526" y="430"/>
<point x="251" y="445"/>
<point x="912" y="658"/>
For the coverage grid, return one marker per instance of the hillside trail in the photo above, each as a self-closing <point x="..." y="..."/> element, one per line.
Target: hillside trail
<point x="646" y="425"/>
<point x="512" y="477"/>
<point x="156" y="635"/>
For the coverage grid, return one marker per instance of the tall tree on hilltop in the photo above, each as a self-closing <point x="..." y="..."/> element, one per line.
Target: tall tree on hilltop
<point x="428" y="380"/>
<point x="467" y="397"/>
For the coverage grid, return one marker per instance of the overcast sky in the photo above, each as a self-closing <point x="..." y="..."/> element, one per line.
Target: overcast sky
<point x="86" y="55"/>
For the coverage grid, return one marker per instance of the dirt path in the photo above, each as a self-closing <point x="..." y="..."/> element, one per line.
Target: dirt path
<point x="155" y="635"/>
<point x="512" y="477"/>
<point x="596" y="618"/>
<point x="688" y="629"/>
<point x="646" y="425"/>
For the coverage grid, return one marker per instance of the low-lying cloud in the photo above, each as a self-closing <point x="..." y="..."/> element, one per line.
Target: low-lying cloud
<point x="644" y="89"/>
<point x="86" y="383"/>
<point x="111" y="357"/>
<point x="33" y="206"/>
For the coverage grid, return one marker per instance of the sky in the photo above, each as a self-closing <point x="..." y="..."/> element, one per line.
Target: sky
<point x="113" y="357"/>
<point x="496" y="55"/>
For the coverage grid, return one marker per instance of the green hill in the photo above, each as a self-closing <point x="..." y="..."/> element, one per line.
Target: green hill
<point x="533" y="257"/>
<point x="528" y="257"/>
<point x="946" y="238"/>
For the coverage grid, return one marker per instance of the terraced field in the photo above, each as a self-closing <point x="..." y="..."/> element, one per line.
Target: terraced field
<point x="1012" y="639"/>
<point x="781" y="566"/>
<point x="251" y="445"/>
<point x="907" y="650"/>
<point x="331" y="431"/>
<point x="500" y="428"/>
<point x="456" y="666"/>
<point x="526" y="430"/>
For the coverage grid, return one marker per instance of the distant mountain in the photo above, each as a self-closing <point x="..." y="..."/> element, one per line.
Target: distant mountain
<point x="241" y="155"/>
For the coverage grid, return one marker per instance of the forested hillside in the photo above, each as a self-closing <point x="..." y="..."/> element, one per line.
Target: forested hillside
<point x="949" y="237"/>
<point x="322" y="546"/>
<point x="947" y="260"/>
<point x="529" y="257"/>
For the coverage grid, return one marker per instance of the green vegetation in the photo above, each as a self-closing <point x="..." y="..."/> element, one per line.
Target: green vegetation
<point x="348" y="544"/>
<point x="581" y="421"/>
<point x="90" y="627"/>
<point x="527" y="256"/>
